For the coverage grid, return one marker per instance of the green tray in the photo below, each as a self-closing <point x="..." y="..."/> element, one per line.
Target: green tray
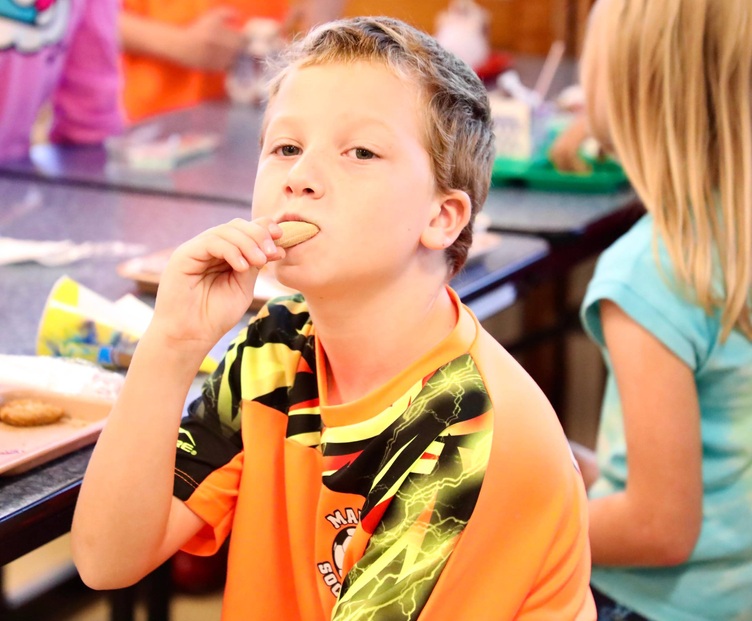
<point x="540" y="174"/>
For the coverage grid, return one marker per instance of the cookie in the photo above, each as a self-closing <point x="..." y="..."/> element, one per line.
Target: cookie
<point x="295" y="232"/>
<point x="29" y="413"/>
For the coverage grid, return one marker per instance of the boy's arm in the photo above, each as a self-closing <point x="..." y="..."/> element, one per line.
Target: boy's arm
<point x="126" y="521"/>
<point x="656" y="520"/>
<point x="86" y="102"/>
<point x="208" y="43"/>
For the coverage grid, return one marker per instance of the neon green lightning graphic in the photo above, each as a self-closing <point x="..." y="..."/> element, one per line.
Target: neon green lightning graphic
<point x="403" y="561"/>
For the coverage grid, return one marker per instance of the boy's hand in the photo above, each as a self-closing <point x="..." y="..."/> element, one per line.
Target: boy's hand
<point x="208" y="283"/>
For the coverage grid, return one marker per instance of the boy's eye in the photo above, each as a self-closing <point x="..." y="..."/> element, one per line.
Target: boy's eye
<point x="288" y="150"/>
<point x="364" y="154"/>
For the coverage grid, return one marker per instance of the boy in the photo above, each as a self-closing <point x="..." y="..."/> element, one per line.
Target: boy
<point x="376" y="454"/>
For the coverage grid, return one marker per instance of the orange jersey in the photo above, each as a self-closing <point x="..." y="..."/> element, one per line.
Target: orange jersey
<point x="152" y="85"/>
<point x="449" y="493"/>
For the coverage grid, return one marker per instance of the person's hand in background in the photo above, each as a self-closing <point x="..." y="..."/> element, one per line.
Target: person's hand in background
<point x="565" y="150"/>
<point x="211" y="42"/>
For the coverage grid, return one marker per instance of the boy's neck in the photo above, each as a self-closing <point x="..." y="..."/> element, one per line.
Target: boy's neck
<point x="367" y="347"/>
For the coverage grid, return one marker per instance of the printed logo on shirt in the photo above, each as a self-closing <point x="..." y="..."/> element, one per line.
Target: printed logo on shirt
<point x="188" y="446"/>
<point x="30" y="25"/>
<point x="344" y="524"/>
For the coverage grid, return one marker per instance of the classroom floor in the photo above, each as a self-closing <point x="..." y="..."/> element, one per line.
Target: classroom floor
<point x="32" y="573"/>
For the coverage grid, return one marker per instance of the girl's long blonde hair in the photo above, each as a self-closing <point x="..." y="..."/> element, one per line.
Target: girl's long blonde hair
<point x="668" y="84"/>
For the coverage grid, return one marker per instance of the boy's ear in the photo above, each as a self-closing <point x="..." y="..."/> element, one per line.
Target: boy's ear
<point x="450" y="215"/>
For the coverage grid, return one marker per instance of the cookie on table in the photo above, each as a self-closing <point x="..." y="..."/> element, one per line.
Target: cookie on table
<point x="29" y="412"/>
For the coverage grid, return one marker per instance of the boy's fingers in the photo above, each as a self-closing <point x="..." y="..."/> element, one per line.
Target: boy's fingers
<point x="242" y="243"/>
<point x="261" y="232"/>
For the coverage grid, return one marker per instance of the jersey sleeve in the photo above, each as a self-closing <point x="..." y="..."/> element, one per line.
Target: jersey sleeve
<point x="209" y="452"/>
<point x="211" y="448"/>
<point x="86" y="103"/>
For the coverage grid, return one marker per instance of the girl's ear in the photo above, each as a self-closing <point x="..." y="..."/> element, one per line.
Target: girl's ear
<point x="450" y="215"/>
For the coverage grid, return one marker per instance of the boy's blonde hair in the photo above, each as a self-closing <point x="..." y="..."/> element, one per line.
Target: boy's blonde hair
<point x="459" y="129"/>
<point x="675" y="78"/>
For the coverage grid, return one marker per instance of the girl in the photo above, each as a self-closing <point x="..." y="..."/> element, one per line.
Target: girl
<point x="668" y="88"/>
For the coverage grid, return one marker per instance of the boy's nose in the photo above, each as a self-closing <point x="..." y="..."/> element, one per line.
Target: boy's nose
<point x="303" y="179"/>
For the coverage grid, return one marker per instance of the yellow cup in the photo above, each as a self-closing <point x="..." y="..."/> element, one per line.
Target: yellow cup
<point x="78" y="323"/>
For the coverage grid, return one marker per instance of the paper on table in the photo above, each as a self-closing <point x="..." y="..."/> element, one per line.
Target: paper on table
<point x="59" y="375"/>
<point x="53" y="253"/>
<point x="21" y="250"/>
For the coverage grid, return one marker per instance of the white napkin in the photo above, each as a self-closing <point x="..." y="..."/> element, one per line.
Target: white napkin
<point x="53" y="253"/>
<point x="60" y="375"/>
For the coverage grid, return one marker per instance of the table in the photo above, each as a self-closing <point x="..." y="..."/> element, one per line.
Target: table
<point x="226" y="175"/>
<point x="37" y="506"/>
<point x="559" y="216"/>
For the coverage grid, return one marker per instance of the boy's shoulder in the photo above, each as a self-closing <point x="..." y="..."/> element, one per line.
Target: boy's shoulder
<point x="525" y="424"/>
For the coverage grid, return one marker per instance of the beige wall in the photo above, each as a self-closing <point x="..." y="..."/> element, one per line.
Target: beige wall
<point x="528" y="26"/>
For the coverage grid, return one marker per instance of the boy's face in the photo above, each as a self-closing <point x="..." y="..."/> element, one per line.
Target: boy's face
<point x="344" y="149"/>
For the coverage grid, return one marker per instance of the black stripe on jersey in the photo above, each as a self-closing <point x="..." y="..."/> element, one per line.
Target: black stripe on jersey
<point x="204" y="409"/>
<point x="282" y="398"/>
<point x="233" y="380"/>
<point x="281" y="325"/>
<point x="303" y="423"/>
<point x="197" y="461"/>
<point x="304" y="387"/>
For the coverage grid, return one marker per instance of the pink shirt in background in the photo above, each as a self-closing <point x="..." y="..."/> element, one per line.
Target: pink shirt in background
<point x="64" y="51"/>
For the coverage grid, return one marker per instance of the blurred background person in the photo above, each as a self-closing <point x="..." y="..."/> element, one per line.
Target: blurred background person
<point x="64" y="52"/>
<point x="176" y="54"/>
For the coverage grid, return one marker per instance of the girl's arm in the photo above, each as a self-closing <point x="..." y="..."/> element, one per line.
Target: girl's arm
<point x="127" y="521"/>
<point x="656" y="520"/>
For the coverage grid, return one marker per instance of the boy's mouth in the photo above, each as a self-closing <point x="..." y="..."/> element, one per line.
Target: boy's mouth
<point x="295" y="232"/>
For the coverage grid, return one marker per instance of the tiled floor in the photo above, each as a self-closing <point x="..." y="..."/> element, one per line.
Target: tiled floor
<point x="33" y="572"/>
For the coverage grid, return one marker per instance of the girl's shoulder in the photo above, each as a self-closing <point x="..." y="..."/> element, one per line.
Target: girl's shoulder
<point x="637" y="275"/>
<point x="633" y="255"/>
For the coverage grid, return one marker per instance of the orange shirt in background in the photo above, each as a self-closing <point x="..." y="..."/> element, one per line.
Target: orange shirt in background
<point x="153" y="85"/>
